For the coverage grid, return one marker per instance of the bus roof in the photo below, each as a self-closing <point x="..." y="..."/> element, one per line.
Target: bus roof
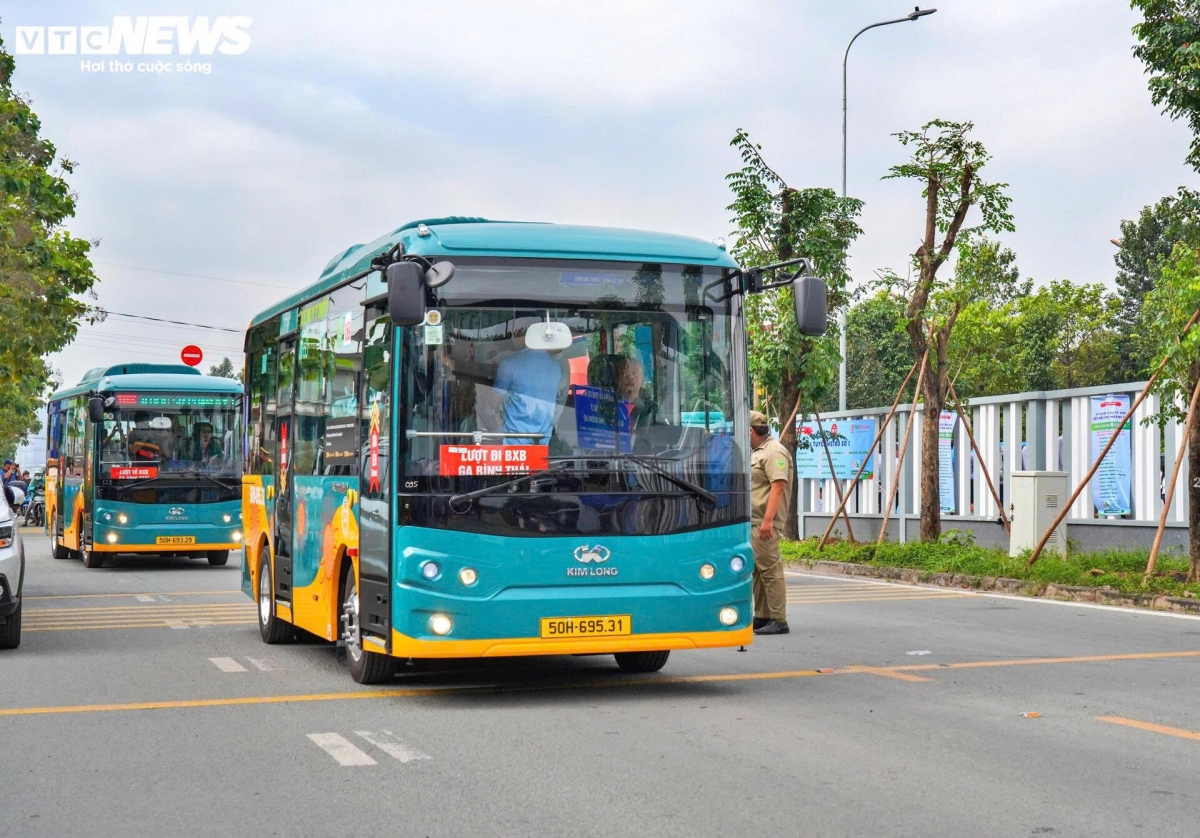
<point x="139" y="377"/>
<point x="464" y="236"/>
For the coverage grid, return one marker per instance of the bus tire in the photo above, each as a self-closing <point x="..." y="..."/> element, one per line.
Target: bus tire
<point x="91" y="559"/>
<point x="641" y="661"/>
<point x="218" y="558"/>
<point x="10" y="632"/>
<point x="272" y="629"/>
<point x="365" y="667"/>
<point x="56" y="549"/>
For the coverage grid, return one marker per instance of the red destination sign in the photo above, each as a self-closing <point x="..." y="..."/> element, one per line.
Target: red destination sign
<point x="191" y="355"/>
<point x="484" y="460"/>
<point x="133" y="472"/>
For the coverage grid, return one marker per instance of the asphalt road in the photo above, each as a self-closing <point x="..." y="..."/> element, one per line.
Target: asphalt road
<point x="142" y="702"/>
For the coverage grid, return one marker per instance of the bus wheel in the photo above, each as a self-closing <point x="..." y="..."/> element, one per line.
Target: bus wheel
<point x="641" y="661"/>
<point x="272" y="629"/>
<point x="365" y="667"/>
<point x="218" y="557"/>
<point x="91" y="559"/>
<point x="57" y="549"/>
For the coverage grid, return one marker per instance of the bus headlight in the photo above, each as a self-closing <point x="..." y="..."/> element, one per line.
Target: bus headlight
<point x="237" y="536"/>
<point x="107" y="516"/>
<point x="707" y="571"/>
<point x="440" y="624"/>
<point x="430" y="570"/>
<point x="123" y="518"/>
<point x="111" y="538"/>
<point x="467" y="576"/>
<point x="226" y="517"/>
<point x="728" y="616"/>
<point x="737" y="564"/>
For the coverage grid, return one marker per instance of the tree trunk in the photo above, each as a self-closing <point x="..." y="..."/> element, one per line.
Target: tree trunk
<point x="789" y="389"/>
<point x="931" y="499"/>
<point x="1193" y="456"/>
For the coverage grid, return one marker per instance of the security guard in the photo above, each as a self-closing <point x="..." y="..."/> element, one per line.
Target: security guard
<point x="770" y="495"/>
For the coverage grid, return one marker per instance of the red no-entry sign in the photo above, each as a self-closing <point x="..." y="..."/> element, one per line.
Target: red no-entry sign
<point x="191" y="355"/>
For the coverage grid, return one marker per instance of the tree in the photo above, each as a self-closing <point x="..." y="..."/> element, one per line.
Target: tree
<point x="947" y="164"/>
<point x="225" y="370"/>
<point x="42" y="267"/>
<point x="1168" y="308"/>
<point x="876" y="351"/>
<point x="774" y="222"/>
<point x="1169" y="46"/>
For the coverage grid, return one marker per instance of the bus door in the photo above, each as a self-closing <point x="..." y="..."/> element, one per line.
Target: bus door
<point x="375" y="495"/>
<point x="91" y="441"/>
<point x="285" y="493"/>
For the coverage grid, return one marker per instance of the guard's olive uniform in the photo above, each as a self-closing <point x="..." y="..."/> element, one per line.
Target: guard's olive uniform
<point x="769" y="463"/>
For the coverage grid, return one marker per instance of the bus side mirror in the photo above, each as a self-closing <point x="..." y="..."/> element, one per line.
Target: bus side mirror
<point x="812" y="313"/>
<point x="406" y="293"/>
<point x="96" y="409"/>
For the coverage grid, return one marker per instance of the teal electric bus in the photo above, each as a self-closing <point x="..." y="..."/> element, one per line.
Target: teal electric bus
<point x="145" y="458"/>
<point x="473" y="439"/>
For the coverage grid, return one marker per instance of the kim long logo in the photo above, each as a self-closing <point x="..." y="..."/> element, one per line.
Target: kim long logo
<point x="586" y="555"/>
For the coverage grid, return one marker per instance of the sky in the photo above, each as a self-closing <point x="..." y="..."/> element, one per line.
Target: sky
<point x="215" y="194"/>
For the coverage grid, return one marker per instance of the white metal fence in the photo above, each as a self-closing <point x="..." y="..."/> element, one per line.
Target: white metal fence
<point x="1051" y="430"/>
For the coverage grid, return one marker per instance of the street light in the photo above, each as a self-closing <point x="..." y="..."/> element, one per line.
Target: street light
<point x="913" y="15"/>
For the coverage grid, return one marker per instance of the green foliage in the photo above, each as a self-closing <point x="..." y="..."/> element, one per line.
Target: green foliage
<point x="1146" y="242"/>
<point x="1169" y="46"/>
<point x="956" y="552"/>
<point x="1168" y="307"/>
<point x="42" y="267"/>
<point x="225" y="370"/>
<point x="877" y="354"/>
<point x="774" y="222"/>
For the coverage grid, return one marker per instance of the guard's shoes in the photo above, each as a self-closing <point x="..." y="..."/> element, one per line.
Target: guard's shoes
<point x="772" y="627"/>
<point x="759" y="622"/>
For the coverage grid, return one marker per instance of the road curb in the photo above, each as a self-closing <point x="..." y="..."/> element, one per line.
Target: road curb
<point x="1021" y="587"/>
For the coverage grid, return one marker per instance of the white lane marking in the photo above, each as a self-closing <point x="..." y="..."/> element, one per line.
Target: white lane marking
<point x="227" y="665"/>
<point x="1120" y="609"/>
<point x="341" y="749"/>
<point x="390" y="744"/>
<point x="144" y="598"/>
<point x="920" y="652"/>
<point x="263" y="664"/>
<point x="175" y="624"/>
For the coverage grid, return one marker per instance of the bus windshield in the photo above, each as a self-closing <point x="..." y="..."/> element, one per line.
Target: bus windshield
<point x="651" y="370"/>
<point x="172" y="437"/>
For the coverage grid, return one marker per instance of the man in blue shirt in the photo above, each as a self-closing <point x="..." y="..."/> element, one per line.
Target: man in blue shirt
<point x="528" y="382"/>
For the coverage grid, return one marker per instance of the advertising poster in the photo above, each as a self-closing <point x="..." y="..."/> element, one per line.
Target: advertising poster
<point x="1111" y="486"/>
<point x="946" y="422"/>
<point x="849" y="442"/>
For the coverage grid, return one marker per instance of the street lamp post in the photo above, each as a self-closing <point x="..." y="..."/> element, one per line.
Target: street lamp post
<point x="914" y="15"/>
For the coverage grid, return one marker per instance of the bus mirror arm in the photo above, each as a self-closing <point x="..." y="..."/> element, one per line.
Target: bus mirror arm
<point x="808" y="292"/>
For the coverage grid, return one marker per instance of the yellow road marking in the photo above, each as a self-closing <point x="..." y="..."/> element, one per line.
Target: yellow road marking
<point x="140" y="593"/>
<point x="396" y="693"/>
<point x="1136" y="656"/>
<point x="1150" y="726"/>
<point x="142" y="609"/>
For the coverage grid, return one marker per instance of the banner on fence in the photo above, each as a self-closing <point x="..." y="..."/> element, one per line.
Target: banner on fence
<point x="946" y="422"/>
<point x="1111" y="486"/>
<point x="849" y="443"/>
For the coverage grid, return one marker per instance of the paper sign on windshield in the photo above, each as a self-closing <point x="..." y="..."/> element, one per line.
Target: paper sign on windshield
<point x="484" y="460"/>
<point x="133" y="472"/>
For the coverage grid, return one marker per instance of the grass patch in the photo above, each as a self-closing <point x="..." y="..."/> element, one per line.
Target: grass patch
<point x="1118" y="569"/>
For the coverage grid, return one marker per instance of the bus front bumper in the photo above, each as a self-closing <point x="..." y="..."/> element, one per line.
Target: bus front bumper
<point x="409" y="647"/>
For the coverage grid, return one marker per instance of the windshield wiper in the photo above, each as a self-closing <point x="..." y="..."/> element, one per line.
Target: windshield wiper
<point x="705" y="499"/>
<point x="200" y="476"/>
<point x="457" y="501"/>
